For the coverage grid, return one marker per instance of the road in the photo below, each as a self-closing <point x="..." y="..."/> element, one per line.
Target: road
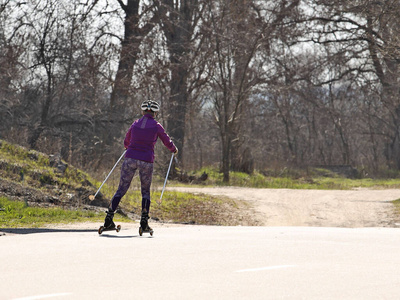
<point x="201" y="262"/>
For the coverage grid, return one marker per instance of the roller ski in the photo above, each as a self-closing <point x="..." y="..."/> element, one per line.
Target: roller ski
<point x="109" y="224"/>
<point x="144" y="225"/>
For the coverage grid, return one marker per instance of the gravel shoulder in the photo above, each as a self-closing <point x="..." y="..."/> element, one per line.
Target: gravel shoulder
<point x="321" y="208"/>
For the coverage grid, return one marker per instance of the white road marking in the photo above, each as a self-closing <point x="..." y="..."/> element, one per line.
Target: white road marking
<point x="44" y="296"/>
<point x="266" y="268"/>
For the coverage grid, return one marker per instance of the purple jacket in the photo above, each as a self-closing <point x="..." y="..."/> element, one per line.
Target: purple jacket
<point x="142" y="136"/>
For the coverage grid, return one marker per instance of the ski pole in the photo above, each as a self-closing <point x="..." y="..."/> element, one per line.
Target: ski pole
<point x="91" y="197"/>
<point x="166" y="177"/>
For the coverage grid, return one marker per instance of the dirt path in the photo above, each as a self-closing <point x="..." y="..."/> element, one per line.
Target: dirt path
<point x="285" y="207"/>
<point x="333" y="208"/>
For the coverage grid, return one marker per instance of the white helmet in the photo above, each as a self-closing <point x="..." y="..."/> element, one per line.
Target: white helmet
<point x="150" y="105"/>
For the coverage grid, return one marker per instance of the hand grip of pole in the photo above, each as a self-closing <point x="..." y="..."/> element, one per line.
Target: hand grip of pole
<point x="166" y="177"/>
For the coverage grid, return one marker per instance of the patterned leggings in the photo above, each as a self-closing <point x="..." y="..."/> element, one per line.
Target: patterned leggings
<point x="128" y="170"/>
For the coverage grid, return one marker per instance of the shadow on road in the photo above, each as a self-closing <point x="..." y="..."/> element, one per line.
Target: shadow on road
<point x="40" y="230"/>
<point x="119" y="236"/>
<point x="6" y="231"/>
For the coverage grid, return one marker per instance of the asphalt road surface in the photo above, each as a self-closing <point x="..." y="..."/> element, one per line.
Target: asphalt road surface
<point x="201" y="262"/>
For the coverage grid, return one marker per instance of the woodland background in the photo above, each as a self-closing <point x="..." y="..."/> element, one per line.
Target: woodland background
<point x="243" y="84"/>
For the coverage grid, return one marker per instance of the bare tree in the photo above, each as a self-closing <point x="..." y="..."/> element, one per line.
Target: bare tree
<point x="181" y="24"/>
<point x="237" y="67"/>
<point x="360" y="38"/>
<point x="52" y="49"/>
<point x="11" y="52"/>
<point x="136" y="26"/>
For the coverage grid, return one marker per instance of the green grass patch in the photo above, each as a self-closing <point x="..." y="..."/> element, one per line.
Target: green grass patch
<point x="16" y="214"/>
<point x="396" y="204"/>
<point x="186" y="208"/>
<point x="191" y="208"/>
<point x="22" y="165"/>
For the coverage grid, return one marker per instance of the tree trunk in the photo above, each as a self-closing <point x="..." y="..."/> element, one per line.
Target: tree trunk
<point x="129" y="50"/>
<point x="35" y="135"/>
<point x="178" y="29"/>
<point x="226" y="149"/>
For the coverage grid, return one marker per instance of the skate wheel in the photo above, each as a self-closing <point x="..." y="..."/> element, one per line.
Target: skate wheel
<point x="140" y="231"/>
<point x="101" y="229"/>
<point x="118" y="228"/>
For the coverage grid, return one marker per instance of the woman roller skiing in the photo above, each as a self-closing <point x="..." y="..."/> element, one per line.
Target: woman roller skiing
<point x="139" y="142"/>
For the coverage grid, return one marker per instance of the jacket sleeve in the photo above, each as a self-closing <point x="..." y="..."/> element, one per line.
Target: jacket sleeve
<point x="165" y="138"/>
<point x="127" y="139"/>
